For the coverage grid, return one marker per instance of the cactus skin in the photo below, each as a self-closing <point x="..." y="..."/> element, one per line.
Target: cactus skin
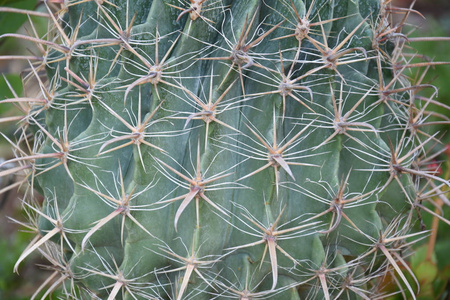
<point x="240" y="150"/>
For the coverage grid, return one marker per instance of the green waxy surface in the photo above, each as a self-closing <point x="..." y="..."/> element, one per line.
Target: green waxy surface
<point x="246" y="224"/>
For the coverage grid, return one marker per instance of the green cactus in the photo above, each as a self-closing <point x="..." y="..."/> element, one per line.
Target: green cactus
<point x="223" y="149"/>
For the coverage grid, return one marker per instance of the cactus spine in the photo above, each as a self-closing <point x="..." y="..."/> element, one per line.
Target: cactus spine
<point x="223" y="149"/>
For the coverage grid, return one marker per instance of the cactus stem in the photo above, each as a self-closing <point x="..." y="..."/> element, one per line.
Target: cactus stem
<point x="396" y="168"/>
<point x="197" y="189"/>
<point x="384" y="242"/>
<point x="36" y="243"/>
<point x="194" y="10"/>
<point x="191" y="264"/>
<point x="337" y="206"/>
<point x="84" y="85"/>
<point x="137" y="134"/>
<point x="270" y="236"/>
<point x="67" y="40"/>
<point x="239" y="53"/>
<point x="287" y="86"/>
<point x="275" y="153"/>
<point x="62" y="155"/>
<point x="209" y="110"/>
<point x="121" y="281"/>
<point x="155" y="72"/>
<point x="304" y="24"/>
<point x="341" y="123"/>
<point x="337" y="218"/>
<point x="100" y="223"/>
<point x="330" y="56"/>
<point x="87" y="85"/>
<point x="123" y="208"/>
<point x="122" y="35"/>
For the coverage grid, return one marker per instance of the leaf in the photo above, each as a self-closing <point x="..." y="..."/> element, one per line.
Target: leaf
<point x="11" y="22"/>
<point x="426" y="272"/>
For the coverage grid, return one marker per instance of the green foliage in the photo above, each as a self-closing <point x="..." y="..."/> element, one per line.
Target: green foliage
<point x="16" y="84"/>
<point x="11" y="283"/>
<point x="12" y="22"/>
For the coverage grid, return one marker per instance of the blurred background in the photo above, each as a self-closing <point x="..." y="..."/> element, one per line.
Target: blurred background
<point x="431" y="261"/>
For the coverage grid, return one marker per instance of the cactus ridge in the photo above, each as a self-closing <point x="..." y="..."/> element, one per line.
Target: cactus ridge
<point x="221" y="149"/>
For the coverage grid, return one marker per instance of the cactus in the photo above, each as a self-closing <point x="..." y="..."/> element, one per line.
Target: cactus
<point x="223" y="149"/>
